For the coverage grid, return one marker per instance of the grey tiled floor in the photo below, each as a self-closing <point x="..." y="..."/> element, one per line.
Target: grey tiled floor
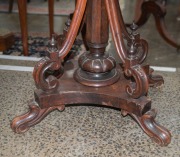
<point x="89" y="131"/>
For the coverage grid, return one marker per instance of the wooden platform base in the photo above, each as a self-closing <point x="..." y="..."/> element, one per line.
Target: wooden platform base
<point x="71" y="92"/>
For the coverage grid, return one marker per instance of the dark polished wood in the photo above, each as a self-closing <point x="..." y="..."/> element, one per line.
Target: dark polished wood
<point x="143" y="10"/>
<point x="95" y="78"/>
<point x="96" y="67"/>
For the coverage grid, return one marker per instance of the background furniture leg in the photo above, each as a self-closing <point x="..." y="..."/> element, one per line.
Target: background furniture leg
<point x="51" y="19"/>
<point x="22" y="6"/>
<point x="11" y="5"/>
<point x="144" y="9"/>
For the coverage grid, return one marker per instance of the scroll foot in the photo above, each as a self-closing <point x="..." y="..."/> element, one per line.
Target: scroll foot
<point x="155" y="80"/>
<point x="21" y="124"/>
<point x="158" y="133"/>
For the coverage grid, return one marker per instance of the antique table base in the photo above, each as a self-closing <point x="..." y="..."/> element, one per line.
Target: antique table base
<point x="96" y="78"/>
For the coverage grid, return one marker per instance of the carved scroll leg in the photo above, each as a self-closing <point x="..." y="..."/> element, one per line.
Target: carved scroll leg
<point x="154" y="80"/>
<point x="161" y="27"/>
<point x="159" y="11"/>
<point x="158" y="133"/>
<point x="35" y="115"/>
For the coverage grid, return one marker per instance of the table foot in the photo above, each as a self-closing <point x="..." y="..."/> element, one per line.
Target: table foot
<point x="22" y="123"/>
<point x="71" y="92"/>
<point x="154" y="80"/>
<point x="158" y="133"/>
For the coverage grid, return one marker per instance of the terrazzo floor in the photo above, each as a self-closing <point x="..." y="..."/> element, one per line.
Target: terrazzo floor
<point x="85" y="131"/>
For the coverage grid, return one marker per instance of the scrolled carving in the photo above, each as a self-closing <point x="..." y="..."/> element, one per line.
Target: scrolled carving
<point x="155" y="80"/>
<point x="132" y="56"/>
<point x="158" y="133"/>
<point x="46" y="83"/>
<point x="139" y="86"/>
<point x="137" y="47"/>
<point x="35" y="114"/>
<point x="44" y="80"/>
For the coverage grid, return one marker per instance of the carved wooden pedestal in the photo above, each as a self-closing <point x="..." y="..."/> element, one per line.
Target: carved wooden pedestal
<point x="96" y="78"/>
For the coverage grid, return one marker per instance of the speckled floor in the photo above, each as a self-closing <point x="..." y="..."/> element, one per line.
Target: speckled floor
<point x="85" y="131"/>
<point x="90" y="131"/>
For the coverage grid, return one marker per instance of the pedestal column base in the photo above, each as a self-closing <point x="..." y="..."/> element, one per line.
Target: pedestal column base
<point x="96" y="79"/>
<point x="71" y="92"/>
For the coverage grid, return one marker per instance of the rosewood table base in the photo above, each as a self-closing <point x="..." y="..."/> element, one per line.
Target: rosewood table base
<point x="96" y="78"/>
<point x="71" y="92"/>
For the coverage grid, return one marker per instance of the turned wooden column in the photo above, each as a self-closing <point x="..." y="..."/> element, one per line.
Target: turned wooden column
<point x="97" y="68"/>
<point x="97" y="27"/>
